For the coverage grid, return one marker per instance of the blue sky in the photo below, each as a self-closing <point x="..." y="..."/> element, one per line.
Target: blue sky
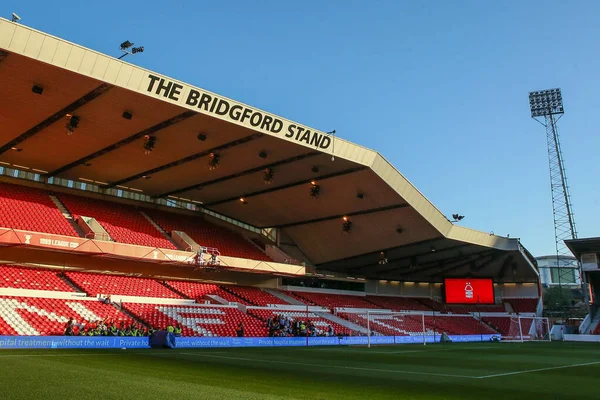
<point x="439" y="88"/>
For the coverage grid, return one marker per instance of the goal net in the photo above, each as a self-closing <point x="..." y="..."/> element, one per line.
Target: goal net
<point x="409" y="327"/>
<point x="528" y="329"/>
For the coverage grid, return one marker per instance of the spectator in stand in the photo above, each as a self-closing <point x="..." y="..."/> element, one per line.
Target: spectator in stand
<point x="240" y="330"/>
<point x="69" y="327"/>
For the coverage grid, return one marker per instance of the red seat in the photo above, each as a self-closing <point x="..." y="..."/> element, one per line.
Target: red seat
<point x="32" y="278"/>
<point x="37" y="316"/>
<point x="124" y="223"/>
<point x="94" y="284"/>
<point x="31" y="210"/>
<point x="206" y="234"/>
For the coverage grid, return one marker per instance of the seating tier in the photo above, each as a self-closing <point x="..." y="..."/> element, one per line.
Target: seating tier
<point x="32" y="278"/>
<point x="198" y="321"/>
<point x="31" y="209"/>
<point x="94" y="284"/>
<point x="40" y="316"/>
<point x="206" y="234"/>
<point x="124" y="223"/>
<point x="524" y="305"/>
<point x="322" y="324"/>
<point x="332" y="301"/>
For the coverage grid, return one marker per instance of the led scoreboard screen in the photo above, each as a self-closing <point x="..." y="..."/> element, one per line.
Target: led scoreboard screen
<point x="469" y="291"/>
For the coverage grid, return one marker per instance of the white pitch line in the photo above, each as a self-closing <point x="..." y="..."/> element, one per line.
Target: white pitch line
<point x="538" y="370"/>
<point x="332" y="366"/>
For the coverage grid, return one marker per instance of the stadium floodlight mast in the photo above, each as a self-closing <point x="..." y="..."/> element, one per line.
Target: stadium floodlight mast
<point x="547" y="108"/>
<point x="126" y="45"/>
<point x="15" y="17"/>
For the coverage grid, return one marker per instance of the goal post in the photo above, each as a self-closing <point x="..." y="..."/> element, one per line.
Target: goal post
<point x="528" y="329"/>
<point x="390" y="323"/>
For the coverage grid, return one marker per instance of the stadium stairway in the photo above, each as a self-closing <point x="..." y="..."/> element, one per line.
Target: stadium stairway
<point x="256" y="245"/>
<point x="67" y="214"/>
<point x="483" y="322"/>
<point x="173" y="289"/>
<point x="131" y="315"/>
<point x="341" y="321"/>
<point x="236" y="296"/>
<point x="284" y="297"/>
<point x="159" y="228"/>
<point x="69" y="282"/>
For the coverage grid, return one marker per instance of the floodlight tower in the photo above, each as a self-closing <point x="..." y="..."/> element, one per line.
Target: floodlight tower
<point x="547" y="104"/>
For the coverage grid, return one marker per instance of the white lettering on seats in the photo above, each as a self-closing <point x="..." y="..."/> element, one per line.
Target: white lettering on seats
<point x="8" y="312"/>
<point x="191" y="317"/>
<point x="83" y="311"/>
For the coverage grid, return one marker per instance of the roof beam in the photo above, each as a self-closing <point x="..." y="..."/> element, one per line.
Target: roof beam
<point x="507" y="263"/>
<point x="184" y="160"/>
<point x="127" y="140"/>
<point x="374" y="253"/>
<point x="339" y="216"/>
<point x="492" y="258"/>
<point x="99" y="91"/>
<point x="422" y="254"/>
<point x="241" y="173"/>
<point x="283" y="187"/>
<point x="435" y="264"/>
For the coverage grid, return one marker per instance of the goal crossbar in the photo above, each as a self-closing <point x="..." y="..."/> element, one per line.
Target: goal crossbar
<point x="528" y="329"/>
<point x="371" y="316"/>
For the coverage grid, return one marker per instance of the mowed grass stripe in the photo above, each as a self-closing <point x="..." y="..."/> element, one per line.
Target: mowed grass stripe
<point x="312" y="365"/>
<point x="270" y="373"/>
<point x="422" y="364"/>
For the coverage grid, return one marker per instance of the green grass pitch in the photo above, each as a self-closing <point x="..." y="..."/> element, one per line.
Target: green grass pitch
<point x="450" y="371"/>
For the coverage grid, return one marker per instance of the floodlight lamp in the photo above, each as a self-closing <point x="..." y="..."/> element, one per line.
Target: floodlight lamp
<point x="213" y="162"/>
<point x="269" y="174"/>
<point x="149" y="143"/>
<point x="315" y="191"/>
<point x="545" y="103"/>
<point x="15" y="17"/>
<point x="125" y="45"/>
<point x="136" y="50"/>
<point x="382" y="258"/>
<point x="72" y="123"/>
<point x="347" y="225"/>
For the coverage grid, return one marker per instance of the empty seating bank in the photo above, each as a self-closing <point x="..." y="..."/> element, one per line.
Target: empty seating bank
<point x="208" y="316"/>
<point x="33" y="209"/>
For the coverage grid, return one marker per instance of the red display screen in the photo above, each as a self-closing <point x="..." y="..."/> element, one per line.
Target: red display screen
<point x="469" y="291"/>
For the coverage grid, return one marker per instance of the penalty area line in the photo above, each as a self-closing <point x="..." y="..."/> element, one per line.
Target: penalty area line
<point x="527" y="371"/>
<point x="395" y="371"/>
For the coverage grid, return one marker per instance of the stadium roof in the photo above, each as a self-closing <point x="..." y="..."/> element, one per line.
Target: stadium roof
<point x="583" y="246"/>
<point x="387" y="212"/>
